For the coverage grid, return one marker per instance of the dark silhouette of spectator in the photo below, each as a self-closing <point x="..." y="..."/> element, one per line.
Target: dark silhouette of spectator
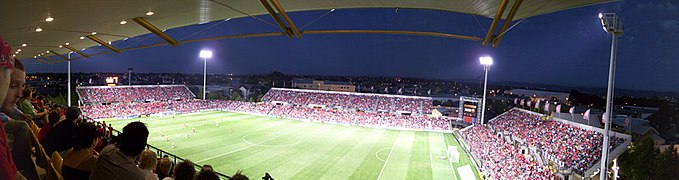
<point x="80" y="160"/>
<point x="117" y="161"/>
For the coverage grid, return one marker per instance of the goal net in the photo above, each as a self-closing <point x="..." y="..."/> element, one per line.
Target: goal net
<point x="453" y="155"/>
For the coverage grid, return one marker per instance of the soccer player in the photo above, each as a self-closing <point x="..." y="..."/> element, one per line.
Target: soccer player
<point x="172" y="145"/>
<point x="194" y="130"/>
<point x="186" y="136"/>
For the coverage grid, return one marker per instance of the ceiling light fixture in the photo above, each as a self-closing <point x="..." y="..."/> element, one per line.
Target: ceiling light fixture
<point x="123" y="22"/>
<point x="94" y="33"/>
<point x="82" y="37"/>
<point x="150" y="13"/>
<point x="49" y="19"/>
<point x="66" y="43"/>
<point x="38" y="29"/>
<point x="23" y="45"/>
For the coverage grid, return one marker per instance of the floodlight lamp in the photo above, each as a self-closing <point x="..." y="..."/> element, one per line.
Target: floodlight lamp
<point x="205" y="54"/>
<point x="601" y="15"/>
<point x="486" y="60"/>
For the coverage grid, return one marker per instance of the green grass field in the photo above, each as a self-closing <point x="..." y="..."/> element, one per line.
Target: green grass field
<point x="291" y="149"/>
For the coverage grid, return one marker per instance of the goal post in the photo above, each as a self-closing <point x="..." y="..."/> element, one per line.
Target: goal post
<point x="453" y="154"/>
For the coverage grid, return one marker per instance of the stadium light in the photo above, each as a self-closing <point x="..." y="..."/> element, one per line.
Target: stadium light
<point x="486" y="61"/>
<point x="612" y="24"/>
<point x="205" y="54"/>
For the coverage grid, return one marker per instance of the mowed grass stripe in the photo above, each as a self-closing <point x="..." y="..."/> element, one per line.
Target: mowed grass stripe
<point x="259" y="160"/>
<point x="420" y="164"/>
<point x="371" y="166"/>
<point x="234" y="142"/>
<point x="351" y="160"/>
<point x="330" y="153"/>
<point x="398" y="165"/>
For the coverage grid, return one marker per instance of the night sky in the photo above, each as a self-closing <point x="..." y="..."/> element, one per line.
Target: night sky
<point x="564" y="48"/>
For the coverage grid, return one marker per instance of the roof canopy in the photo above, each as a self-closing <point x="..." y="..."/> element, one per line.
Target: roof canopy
<point x="75" y="21"/>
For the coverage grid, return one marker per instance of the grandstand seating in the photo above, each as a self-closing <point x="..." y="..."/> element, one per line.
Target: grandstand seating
<point x="357" y="101"/>
<point x="106" y="94"/>
<point x="568" y="146"/>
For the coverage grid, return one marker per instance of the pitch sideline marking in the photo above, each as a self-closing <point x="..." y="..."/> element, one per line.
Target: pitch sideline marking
<point x="299" y="140"/>
<point x="386" y="161"/>
<point x="247" y="147"/>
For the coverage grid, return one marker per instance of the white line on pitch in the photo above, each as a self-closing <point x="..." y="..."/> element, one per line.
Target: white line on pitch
<point x="247" y="147"/>
<point x="388" y="156"/>
<point x="448" y="154"/>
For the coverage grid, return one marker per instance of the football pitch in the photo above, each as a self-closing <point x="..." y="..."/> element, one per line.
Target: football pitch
<point x="292" y="149"/>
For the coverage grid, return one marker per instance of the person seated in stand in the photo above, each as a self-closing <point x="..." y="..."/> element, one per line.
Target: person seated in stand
<point x="183" y="171"/>
<point x="81" y="158"/>
<point x="26" y="106"/>
<point x="52" y="119"/>
<point x="19" y="134"/>
<point x="61" y="138"/>
<point x="8" y="169"/>
<point x="116" y="161"/>
<point x="147" y="162"/>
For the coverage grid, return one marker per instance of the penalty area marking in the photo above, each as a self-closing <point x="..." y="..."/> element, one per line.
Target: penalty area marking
<point x="299" y="140"/>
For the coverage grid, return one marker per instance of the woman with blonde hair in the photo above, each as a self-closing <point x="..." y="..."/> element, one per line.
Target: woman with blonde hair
<point x="147" y="163"/>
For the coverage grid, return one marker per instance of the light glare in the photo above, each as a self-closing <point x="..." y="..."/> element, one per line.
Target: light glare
<point x="486" y="60"/>
<point x="205" y="54"/>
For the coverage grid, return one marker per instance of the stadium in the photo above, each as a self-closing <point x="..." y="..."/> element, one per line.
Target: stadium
<point x="174" y="130"/>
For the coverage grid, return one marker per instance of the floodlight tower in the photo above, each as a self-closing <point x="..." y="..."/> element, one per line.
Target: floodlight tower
<point x="486" y="61"/>
<point x="612" y="24"/>
<point x="205" y="54"/>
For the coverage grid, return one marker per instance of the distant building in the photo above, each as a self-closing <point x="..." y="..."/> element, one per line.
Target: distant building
<point x="540" y="95"/>
<point x="323" y="85"/>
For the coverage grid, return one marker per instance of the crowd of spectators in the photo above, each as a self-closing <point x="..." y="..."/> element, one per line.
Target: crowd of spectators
<point x="356" y="101"/>
<point x="567" y="145"/>
<point x="499" y="159"/>
<point x="138" y="109"/>
<point x="112" y="94"/>
<point x="570" y="147"/>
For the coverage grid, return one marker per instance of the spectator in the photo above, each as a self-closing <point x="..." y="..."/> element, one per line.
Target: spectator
<point x="183" y="171"/>
<point x="8" y="169"/>
<point x="207" y="174"/>
<point x="164" y="167"/>
<point x="19" y="136"/>
<point x="26" y="106"/>
<point x="117" y="161"/>
<point x="147" y="162"/>
<point x="61" y="137"/>
<point x="238" y="176"/>
<point x="80" y="160"/>
<point x="52" y="119"/>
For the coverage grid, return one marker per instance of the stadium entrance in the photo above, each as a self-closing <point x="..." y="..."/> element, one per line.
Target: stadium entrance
<point x="470" y="109"/>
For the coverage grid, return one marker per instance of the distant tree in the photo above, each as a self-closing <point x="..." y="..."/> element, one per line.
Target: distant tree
<point x="640" y="161"/>
<point x="667" y="164"/>
<point x="259" y="97"/>
<point x="436" y="103"/>
<point x="215" y="95"/>
<point x="448" y="103"/>
<point x="235" y="96"/>
<point x="251" y="99"/>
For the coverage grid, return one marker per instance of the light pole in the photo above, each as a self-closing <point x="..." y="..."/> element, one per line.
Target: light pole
<point x="69" y="78"/>
<point x="205" y="54"/>
<point x="486" y="61"/>
<point x="612" y="25"/>
<point x="129" y="76"/>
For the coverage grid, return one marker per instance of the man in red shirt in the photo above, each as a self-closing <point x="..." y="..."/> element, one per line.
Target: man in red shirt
<point x="7" y="168"/>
